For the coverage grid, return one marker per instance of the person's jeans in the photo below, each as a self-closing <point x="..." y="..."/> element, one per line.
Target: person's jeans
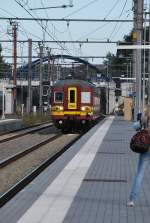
<point x="144" y="160"/>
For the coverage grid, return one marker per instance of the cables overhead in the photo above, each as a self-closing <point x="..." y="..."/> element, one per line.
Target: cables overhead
<point x="100" y="27"/>
<point x="113" y="7"/>
<point x="83" y="7"/>
<point x="119" y="17"/>
<point x="41" y="26"/>
<point x="24" y="30"/>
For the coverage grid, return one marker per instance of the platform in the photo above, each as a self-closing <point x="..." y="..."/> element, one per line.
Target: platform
<point x="89" y="183"/>
<point x="7" y="125"/>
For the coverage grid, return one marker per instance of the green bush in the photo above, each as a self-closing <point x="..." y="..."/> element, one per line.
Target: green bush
<point x="32" y="119"/>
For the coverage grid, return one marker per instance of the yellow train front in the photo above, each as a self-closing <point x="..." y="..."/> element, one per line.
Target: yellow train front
<point x="74" y="104"/>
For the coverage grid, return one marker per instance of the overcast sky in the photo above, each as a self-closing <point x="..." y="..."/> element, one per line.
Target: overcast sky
<point x="98" y="9"/>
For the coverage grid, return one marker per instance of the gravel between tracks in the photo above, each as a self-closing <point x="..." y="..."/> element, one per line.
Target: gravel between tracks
<point x="20" y="144"/>
<point x="19" y="169"/>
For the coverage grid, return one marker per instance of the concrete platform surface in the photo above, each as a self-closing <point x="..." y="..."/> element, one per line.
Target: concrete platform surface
<point x="7" y="125"/>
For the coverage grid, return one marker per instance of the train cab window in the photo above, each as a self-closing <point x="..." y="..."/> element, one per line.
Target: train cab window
<point x="58" y="97"/>
<point x="86" y="97"/>
<point x="72" y="96"/>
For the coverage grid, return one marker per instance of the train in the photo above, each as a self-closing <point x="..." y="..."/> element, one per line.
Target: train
<point x="75" y="104"/>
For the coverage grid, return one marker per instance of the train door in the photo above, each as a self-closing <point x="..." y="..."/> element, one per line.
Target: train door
<point x="72" y="98"/>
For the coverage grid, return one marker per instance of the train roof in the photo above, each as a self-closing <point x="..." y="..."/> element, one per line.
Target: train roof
<point x="67" y="82"/>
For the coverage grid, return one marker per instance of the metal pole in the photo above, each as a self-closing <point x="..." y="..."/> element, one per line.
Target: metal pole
<point x="14" y="71"/>
<point x="139" y="29"/>
<point x="29" y="104"/>
<point x="127" y="84"/>
<point x="144" y="63"/>
<point x="49" y="78"/>
<point x="107" y="89"/>
<point x="134" y="54"/>
<point x="41" y="77"/>
<point x="3" y="105"/>
<point x="131" y="89"/>
<point x="49" y="68"/>
<point x="52" y="72"/>
<point x="127" y="73"/>
<point x="57" y="71"/>
<point x="149" y="64"/>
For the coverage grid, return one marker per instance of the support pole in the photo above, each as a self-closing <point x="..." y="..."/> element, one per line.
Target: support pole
<point x="107" y="88"/>
<point x="41" y="77"/>
<point x="137" y="56"/>
<point x="49" y="67"/>
<point x="3" y="104"/>
<point x="134" y="53"/>
<point x="29" y="101"/>
<point x="149" y="66"/>
<point x="52" y="71"/>
<point x="14" y="71"/>
<point x="144" y="65"/>
<point x="49" y="77"/>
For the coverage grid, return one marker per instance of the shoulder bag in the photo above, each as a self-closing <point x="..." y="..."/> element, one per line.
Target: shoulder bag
<point x="140" y="142"/>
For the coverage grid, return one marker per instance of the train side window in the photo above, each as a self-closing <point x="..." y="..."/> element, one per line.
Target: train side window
<point x="72" y="96"/>
<point x="85" y="97"/>
<point x="58" y="97"/>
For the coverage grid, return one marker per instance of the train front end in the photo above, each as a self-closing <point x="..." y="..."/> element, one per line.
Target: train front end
<point x="72" y="104"/>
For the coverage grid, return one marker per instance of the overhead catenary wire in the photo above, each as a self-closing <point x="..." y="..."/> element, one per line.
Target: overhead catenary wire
<point x="24" y="32"/>
<point x="47" y="13"/>
<point x="41" y="25"/>
<point x="81" y="8"/>
<point x="100" y="27"/>
<point x="64" y="41"/>
<point x="16" y="18"/>
<point x="119" y="17"/>
<point x="66" y="20"/>
<point x="50" y="7"/>
<point x="45" y="27"/>
<point x="55" y="28"/>
<point x="70" y="36"/>
<point x="120" y="26"/>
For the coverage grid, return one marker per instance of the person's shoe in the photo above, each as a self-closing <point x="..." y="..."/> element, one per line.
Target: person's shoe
<point x="130" y="204"/>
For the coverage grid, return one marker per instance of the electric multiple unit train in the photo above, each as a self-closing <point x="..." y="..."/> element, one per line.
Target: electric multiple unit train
<point x="74" y="103"/>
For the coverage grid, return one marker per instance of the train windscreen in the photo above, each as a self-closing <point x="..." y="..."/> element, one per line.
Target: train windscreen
<point x="58" y="97"/>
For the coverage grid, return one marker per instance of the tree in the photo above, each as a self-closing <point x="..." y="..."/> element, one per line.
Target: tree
<point x="117" y="64"/>
<point x="5" y="68"/>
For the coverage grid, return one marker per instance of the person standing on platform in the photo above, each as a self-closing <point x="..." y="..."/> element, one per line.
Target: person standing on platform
<point x="143" y="162"/>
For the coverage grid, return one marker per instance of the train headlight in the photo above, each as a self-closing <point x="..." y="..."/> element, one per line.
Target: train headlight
<point x="86" y="108"/>
<point x="83" y="108"/>
<point x="57" y="108"/>
<point x="60" y="108"/>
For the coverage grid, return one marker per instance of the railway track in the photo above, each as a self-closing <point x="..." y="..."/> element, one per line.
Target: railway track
<point x="17" y="156"/>
<point x="34" y="169"/>
<point x="19" y="133"/>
